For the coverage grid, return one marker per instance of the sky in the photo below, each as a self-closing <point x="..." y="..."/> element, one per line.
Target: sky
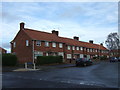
<point x="87" y="20"/>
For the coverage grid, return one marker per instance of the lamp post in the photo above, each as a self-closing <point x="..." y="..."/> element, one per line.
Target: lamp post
<point x="33" y="56"/>
<point x="99" y="48"/>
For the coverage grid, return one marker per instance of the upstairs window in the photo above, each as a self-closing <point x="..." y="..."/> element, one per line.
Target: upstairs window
<point x="73" y="47"/>
<point x="68" y="47"/>
<point x="53" y="44"/>
<point x="77" y="48"/>
<point x="88" y="50"/>
<point x="96" y="50"/>
<point x="47" y="44"/>
<point x="60" y="45"/>
<point x="81" y="48"/>
<point x="27" y="43"/>
<point x="38" y="43"/>
<point x="14" y="44"/>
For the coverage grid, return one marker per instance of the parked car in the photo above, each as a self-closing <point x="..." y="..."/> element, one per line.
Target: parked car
<point x="83" y="62"/>
<point x="113" y="59"/>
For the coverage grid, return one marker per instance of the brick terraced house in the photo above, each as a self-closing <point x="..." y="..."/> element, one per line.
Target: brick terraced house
<point x="29" y="43"/>
<point x="2" y="50"/>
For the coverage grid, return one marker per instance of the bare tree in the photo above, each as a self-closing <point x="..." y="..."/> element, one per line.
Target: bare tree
<point x="113" y="41"/>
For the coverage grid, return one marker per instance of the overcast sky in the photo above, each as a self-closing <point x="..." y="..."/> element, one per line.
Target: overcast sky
<point x="87" y="20"/>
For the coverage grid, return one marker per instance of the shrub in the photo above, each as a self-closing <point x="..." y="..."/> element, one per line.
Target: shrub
<point x="49" y="59"/>
<point x="9" y="60"/>
<point x="103" y="57"/>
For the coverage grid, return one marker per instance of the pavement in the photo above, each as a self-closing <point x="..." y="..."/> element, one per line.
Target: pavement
<point x="40" y="67"/>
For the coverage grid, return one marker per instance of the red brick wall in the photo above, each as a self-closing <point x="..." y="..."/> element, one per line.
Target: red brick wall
<point x="23" y="52"/>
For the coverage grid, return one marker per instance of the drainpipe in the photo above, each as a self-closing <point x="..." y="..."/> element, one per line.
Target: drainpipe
<point x="33" y="54"/>
<point x="99" y="52"/>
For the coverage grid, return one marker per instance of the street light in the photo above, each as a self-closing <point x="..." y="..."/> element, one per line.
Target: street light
<point x="99" y="49"/>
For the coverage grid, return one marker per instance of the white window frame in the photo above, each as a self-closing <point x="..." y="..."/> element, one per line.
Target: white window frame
<point x="14" y="44"/>
<point x="69" y="56"/>
<point x="88" y="50"/>
<point x="91" y="50"/>
<point x="68" y="47"/>
<point x="53" y="44"/>
<point x="61" y="54"/>
<point x="73" y="47"/>
<point x="46" y="44"/>
<point x="38" y="53"/>
<point x="60" y="45"/>
<point x="77" y="48"/>
<point x="38" y="43"/>
<point x="27" y="42"/>
<point x="47" y="54"/>
<point x="96" y="50"/>
<point x="81" y="48"/>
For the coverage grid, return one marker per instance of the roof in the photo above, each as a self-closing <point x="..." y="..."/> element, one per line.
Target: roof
<point x="2" y="49"/>
<point x="45" y="36"/>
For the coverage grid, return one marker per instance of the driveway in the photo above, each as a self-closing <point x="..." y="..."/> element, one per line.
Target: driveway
<point x="102" y="75"/>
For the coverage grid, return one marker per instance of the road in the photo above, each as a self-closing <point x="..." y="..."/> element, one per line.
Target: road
<point x="101" y="75"/>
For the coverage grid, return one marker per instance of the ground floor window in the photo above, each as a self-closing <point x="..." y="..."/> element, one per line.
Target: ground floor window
<point x="61" y="54"/>
<point x="81" y="55"/>
<point x="37" y="53"/>
<point x="69" y="56"/>
<point x="88" y="56"/>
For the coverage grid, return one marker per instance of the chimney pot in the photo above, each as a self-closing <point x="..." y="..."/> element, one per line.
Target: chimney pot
<point x="76" y="38"/>
<point x="91" y="41"/>
<point x="101" y="44"/>
<point x="22" y="24"/>
<point x="55" y="32"/>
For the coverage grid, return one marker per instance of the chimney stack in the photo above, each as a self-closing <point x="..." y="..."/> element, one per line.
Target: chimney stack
<point x="55" y="32"/>
<point x="22" y="25"/>
<point x="91" y="41"/>
<point x="76" y="38"/>
<point x="101" y="44"/>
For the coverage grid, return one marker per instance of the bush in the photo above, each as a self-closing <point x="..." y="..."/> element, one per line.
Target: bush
<point x="9" y="60"/>
<point x="49" y="59"/>
<point x="95" y="57"/>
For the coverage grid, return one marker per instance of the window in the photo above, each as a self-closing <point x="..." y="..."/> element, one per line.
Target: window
<point x="84" y="49"/>
<point x="81" y="55"/>
<point x="27" y="43"/>
<point x="47" y="54"/>
<point x="53" y="44"/>
<point x="96" y="50"/>
<point x="38" y="43"/>
<point x="14" y="44"/>
<point x="61" y="54"/>
<point x="47" y="44"/>
<point x="69" y="56"/>
<point x="68" y="47"/>
<point x="77" y="48"/>
<point x="73" y="47"/>
<point x="38" y="53"/>
<point x="88" y="50"/>
<point x="81" y="48"/>
<point x="60" y="45"/>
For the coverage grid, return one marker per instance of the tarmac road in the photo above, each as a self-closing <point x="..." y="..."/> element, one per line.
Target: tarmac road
<point x="101" y="75"/>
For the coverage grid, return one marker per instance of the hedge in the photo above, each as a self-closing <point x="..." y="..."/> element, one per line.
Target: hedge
<point x="103" y="58"/>
<point x="49" y="60"/>
<point x="9" y="60"/>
